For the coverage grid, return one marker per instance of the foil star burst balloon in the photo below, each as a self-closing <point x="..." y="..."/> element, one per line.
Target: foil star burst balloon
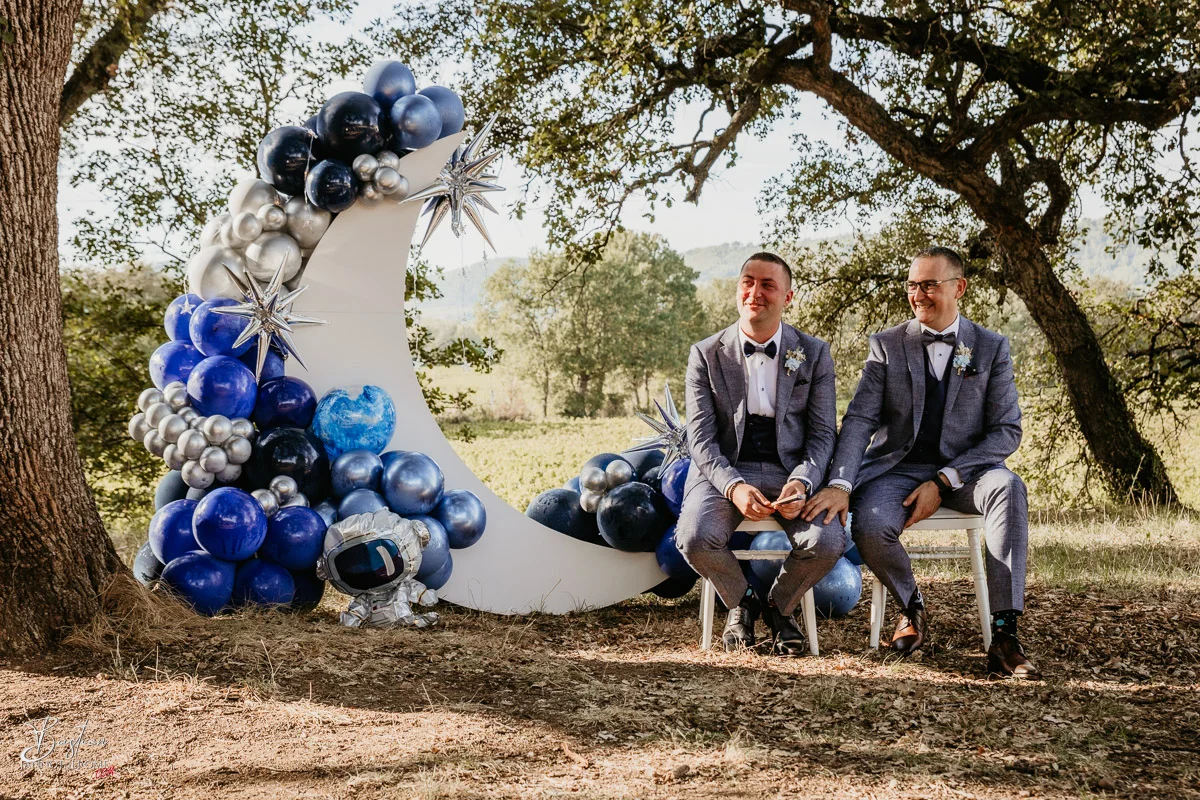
<point x="460" y="187"/>
<point x="270" y="313"/>
<point x="670" y="434"/>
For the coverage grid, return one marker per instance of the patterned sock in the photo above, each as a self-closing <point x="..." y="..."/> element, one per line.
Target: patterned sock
<point x="1005" y="621"/>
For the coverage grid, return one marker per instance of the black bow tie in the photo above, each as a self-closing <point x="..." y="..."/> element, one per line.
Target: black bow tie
<point x="928" y="337"/>
<point x="749" y="348"/>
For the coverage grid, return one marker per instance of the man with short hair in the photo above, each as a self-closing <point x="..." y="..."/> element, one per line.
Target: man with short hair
<point x="761" y="410"/>
<point x="932" y="421"/>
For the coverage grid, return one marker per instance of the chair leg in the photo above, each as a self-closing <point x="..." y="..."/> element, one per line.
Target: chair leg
<point x="708" y="598"/>
<point x="878" y="608"/>
<point x="981" y="592"/>
<point x="809" y="606"/>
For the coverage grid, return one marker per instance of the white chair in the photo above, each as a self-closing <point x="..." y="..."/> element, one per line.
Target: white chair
<point x="708" y="592"/>
<point x="942" y="520"/>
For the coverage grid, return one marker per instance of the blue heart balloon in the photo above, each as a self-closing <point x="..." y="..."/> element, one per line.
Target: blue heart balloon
<point x="351" y="124"/>
<point x="449" y="106"/>
<point x="294" y="539"/>
<point x="222" y="385"/>
<point x="171" y="531"/>
<point x="213" y="333"/>
<point x="463" y="516"/>
<point x="179" y="315"/>
<point x="262" y="583"/>
<point x="355" y="419"/>
<point x="435" y="554"/>
<point x="284" y="401"/>
<point x="173" y="361"/>
<point x="331" y="185"/>
<point x="204" y="582"/>
<point x="388" y="81"/>
<point x="285" y="155"/>
<point x="416" y="122"/>
<point x="229" y="524"/>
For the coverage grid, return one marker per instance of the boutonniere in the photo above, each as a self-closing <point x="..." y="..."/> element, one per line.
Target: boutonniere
<point x="794" y="358"/>
<point x="962" y="358"/>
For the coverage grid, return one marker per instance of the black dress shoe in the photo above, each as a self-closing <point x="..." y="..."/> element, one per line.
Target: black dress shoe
<point x="739" y="625"/>
<point x="787" y="638"/>
<point x="910" y="633"/>
<point x="1006" y="657"/>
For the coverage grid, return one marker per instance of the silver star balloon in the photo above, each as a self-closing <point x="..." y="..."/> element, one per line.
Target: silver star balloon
<point x="670" y="434"/>
<point x="460" y="187"/>
<point x="270" y="313"/>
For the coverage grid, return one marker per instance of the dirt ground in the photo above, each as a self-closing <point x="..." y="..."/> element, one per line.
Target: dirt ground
<point x="615" y="703"/>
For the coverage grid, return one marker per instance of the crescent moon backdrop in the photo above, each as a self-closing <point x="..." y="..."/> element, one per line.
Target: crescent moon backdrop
<point x="356" y="282"/>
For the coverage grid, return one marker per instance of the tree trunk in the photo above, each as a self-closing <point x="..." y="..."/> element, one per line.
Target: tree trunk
<point x="545" y="395"/>
<point x="55" y="555"/>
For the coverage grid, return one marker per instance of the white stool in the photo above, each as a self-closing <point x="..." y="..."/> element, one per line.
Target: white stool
<point x="708" y="592"/>
<point x="943" y="520"/>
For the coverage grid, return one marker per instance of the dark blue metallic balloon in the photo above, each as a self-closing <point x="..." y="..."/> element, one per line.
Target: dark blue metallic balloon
<point x="435" y="554"/>
<point x="673" y="588"/>
<point x="295" y="536"/>
<point x="438" y="579"/>
<point x="204" y="582"/>
<point x="839" y="591"/>
<point x="331" y="185"/>
<point x="351" y="124"/>
<point x="284" y="402"/>
<point x="388" y="81"/>
<point x="671" y="483"/>
<point x="558" y="509"/>
<point x="146" y="566"/>
<point x="213" y="334"/>
<point x="449" y="106"/>
<point x="670" y="560"/>
<point x="173" y="361"/>
<point x="463" y="516"/>
<point x="284" y="156"/>
<point x="390" y="456"/>
<point x="309" y="589"/>
<point x="171" y="487"/>
<point x="573" y="484"/>
<point x="632" y="518"/>
<point x="767" y="571"/>
<point x="355" y="469"/>
<point x="293" y="452"/>
<point x="360" y="501"/>
<point x="416" y="122"/>
<point x="262" y="583"/>
<point x="171" y="530"/>
<point x="222" y="385"/>
<point x="327" y="511"/>
<point x="229" y="524"/>
<point x="412" y="484"/>
<point x="272" y="367"/>
<point x="179" y="315"/>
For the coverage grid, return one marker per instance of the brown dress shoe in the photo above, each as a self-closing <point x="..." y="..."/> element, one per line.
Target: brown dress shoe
<point x="1006" y="657"/>
<point x="910" y="632"/>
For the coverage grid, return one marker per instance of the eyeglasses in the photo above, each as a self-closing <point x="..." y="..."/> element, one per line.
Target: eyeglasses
<point x="925" y="286"/>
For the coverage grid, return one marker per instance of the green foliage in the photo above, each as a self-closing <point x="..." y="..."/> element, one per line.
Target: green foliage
<point x="6" y="36"/>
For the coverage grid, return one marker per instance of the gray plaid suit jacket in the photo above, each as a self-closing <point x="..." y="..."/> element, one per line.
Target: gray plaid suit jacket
<point x="982" y="422"/>
<point x="805" y="409"/>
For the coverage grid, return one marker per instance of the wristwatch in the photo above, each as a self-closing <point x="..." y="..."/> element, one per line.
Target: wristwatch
<point x="943" y="484"/>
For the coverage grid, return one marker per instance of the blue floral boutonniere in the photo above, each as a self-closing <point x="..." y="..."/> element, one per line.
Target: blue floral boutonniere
<point x="794" y="358"/>
<point x="962" y="358"/>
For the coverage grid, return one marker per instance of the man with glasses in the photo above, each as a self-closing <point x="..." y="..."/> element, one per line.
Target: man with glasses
<point x="934" y="416"/>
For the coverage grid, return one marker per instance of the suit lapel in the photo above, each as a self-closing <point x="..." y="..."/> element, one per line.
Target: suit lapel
<point x="966" y="338"/>
<point x="916" y="370"/>
<point x="784" y="383"/>
<point x="730" y="356"/>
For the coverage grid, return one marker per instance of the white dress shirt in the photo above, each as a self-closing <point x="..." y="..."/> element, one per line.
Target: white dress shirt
<point x="762" y="374"/>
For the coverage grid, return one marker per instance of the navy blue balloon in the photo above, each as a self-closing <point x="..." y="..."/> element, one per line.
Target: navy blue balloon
<point x="438" y="579"/>
<point x="351" y="124"/>
<point x="767" y="571"/>
<point x="331" y="185"/>
<point x="643" y="461"/>
<point x="558" y="509"/>
<point x="284" y="156"/>
<point x="146" y="566"/>
<point x="632" y="518"/>
<point x="360" y="501"/>
<point x="740" y="541"/>
<point x="295" y="536"/>
<point x="179" y="315"/>
<point x="171" y="487"/>
<point x="171" y="531"/>
<point x="416" y="122"/>
<point x="284" y="402"/>
<point x="272" y="367"/>
<point x="839" y="591"/>
<point x="293" y="452"/>
<point x="435" y="554"/>
<point x="652" y="478"/>
<point x="669" y="559"/>
<point x="327" y="511"/>
<point x="671" y="483"/>
<point x="463" y="516"/>
<point x="213" y="334"/>
<point x="204" y="582"/>
<point x="173" y="361"/>
<point x="390" y="456"/>
<point x="229" y="524"/>
<point x="388" y="81"/>
<point x="449" y="106"/>
<point x="674" y="588"/>
<point x="262" y="583"/>
<point x="601" y="461"/>
<point x="311" y="124"/>
<point x="573" y="484"/>
<point x="222" y="385"/>
<point x="412" y="484"/>
<point x="309" y="589"/>
<point x="355" y="469"/>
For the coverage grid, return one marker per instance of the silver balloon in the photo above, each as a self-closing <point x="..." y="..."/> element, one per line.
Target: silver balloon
<point x="618" y="472"/>
<point x="207" y="276"/>
<point x="306" y="224"/>
<point x="212" y="230"/>
<point x="245" y="227"/>
<point x="154" y="443"/>
<point x="213" y="460"/>
<point x="364" y="167"/>
<point x="230" y="474"/>
<point x="284" y="487"/>
<point x="251" y="195"/>
<point x="238" y="449"/>
<point x="268" y="252"/>
<point x="243" y="427"/>
<point x="217" y="429"/>
<point x="390" y="181"/>
<point x="149" y="397"/>
<point x="298" y="500"/>
<point x="196" y="476"/>
<point x="272" y="218"/>
<point x="173" y="457"/>
<point x="593" y="479"/>
<point x="188" y="413"/>
<point x="138" y="426"/>
<point x="370" y="192"/>
<point x="192" y="444"/>
<point x="156" y="413"/>
<point x="589" y="501"/>
<point x="172" y="427"/>
<point x="196" y="421"/>
<point x="175" y="395"/>
<point x="266" y="499"/>
<point x="387" y="158"/>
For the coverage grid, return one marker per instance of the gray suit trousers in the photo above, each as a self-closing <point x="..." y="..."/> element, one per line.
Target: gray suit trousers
<point x="708" y="521"/>
<point x="997" y="494"/>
